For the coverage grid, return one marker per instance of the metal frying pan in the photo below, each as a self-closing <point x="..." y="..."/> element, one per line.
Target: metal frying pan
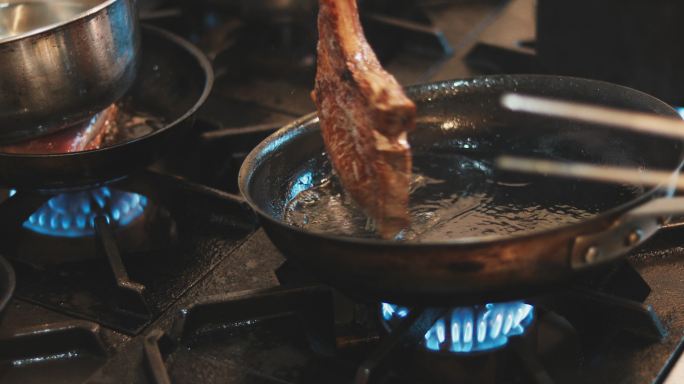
<point x="466" y="117"/>
<point x="173" y="81"/>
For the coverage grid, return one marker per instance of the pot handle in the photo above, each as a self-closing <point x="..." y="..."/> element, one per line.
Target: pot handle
<point x="628" y="231"/>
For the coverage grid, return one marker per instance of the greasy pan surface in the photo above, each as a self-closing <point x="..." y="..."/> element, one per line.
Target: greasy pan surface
<point x="173" y="81"/>
<point x="466" y="269"/>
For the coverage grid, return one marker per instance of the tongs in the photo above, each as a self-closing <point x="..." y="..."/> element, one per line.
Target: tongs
<point x="610" y="117"/>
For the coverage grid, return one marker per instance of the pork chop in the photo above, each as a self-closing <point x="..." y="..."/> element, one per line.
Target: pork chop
<point x="365" y="117"/>
<point x="85" y="136"/>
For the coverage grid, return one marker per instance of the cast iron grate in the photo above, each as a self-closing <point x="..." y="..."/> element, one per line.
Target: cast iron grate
<point x="122" y="288"/>
<point x="70" y="350"/>
<point x="313" y="306"/>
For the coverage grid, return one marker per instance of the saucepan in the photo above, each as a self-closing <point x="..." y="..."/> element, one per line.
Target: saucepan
<point x="173" y="82"/>
<point x="63" y="61"/>
<point x="527" y="253"/>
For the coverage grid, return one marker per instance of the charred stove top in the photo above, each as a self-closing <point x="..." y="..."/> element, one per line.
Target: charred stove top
<point x="164" y="277"/>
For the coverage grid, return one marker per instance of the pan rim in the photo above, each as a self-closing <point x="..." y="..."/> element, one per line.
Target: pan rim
<point x="306" y="122"/>
<point x="203" y="62"/>
<point x="8" y="272"/>
<point x="103" y="4"/>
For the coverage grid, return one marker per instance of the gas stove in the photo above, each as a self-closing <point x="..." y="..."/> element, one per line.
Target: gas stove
<point x="166" y="277"/>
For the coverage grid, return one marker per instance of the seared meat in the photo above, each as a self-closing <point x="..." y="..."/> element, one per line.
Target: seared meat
<point x="83" y="137"/>
<point x="364" y="116"/>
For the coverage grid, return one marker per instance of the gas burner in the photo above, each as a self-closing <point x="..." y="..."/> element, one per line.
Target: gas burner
<point x="73" y="214"/>
<point x="470" y="329"/>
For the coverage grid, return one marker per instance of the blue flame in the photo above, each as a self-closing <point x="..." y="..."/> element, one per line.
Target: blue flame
<point x="680" y="110"/>
<point x="73" y="214"/>
<point x="471" y="329"/>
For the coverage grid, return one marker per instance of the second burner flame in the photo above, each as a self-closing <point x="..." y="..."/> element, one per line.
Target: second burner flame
<point x="471" y="329"/>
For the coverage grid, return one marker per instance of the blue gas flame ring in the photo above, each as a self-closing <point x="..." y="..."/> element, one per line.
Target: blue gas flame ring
<point x="470" y="329"/>
<point x="73" y="214"/>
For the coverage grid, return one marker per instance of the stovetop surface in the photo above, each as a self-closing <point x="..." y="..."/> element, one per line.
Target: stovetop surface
<point x="220" y="253"/>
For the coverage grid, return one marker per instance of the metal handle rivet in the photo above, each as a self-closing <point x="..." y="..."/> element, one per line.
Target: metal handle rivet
<point x="633" y="238"/>
<point x="591" y="255"/>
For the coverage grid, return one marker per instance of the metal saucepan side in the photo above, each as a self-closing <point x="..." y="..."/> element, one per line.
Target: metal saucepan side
<point x="474" y="270"/>
<point x="174" y="80"/>
<point x="63" y="61"/>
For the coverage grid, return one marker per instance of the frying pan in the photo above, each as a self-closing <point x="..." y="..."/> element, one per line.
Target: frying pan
<point x="173" y="81"/>
<point x="467" y="117"/>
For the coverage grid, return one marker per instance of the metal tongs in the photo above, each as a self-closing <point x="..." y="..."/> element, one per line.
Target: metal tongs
<point x="610" y="117"/>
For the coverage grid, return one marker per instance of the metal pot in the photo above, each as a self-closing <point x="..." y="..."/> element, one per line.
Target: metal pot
<point x="62" y="61"/>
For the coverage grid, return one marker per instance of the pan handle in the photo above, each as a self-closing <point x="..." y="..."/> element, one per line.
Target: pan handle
<point x="627" y="232"/>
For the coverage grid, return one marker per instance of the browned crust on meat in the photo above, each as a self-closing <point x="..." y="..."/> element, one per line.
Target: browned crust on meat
<point x="85" y="136"/>
<point x="365" y="117"/>
<point x="103" y="126"/>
